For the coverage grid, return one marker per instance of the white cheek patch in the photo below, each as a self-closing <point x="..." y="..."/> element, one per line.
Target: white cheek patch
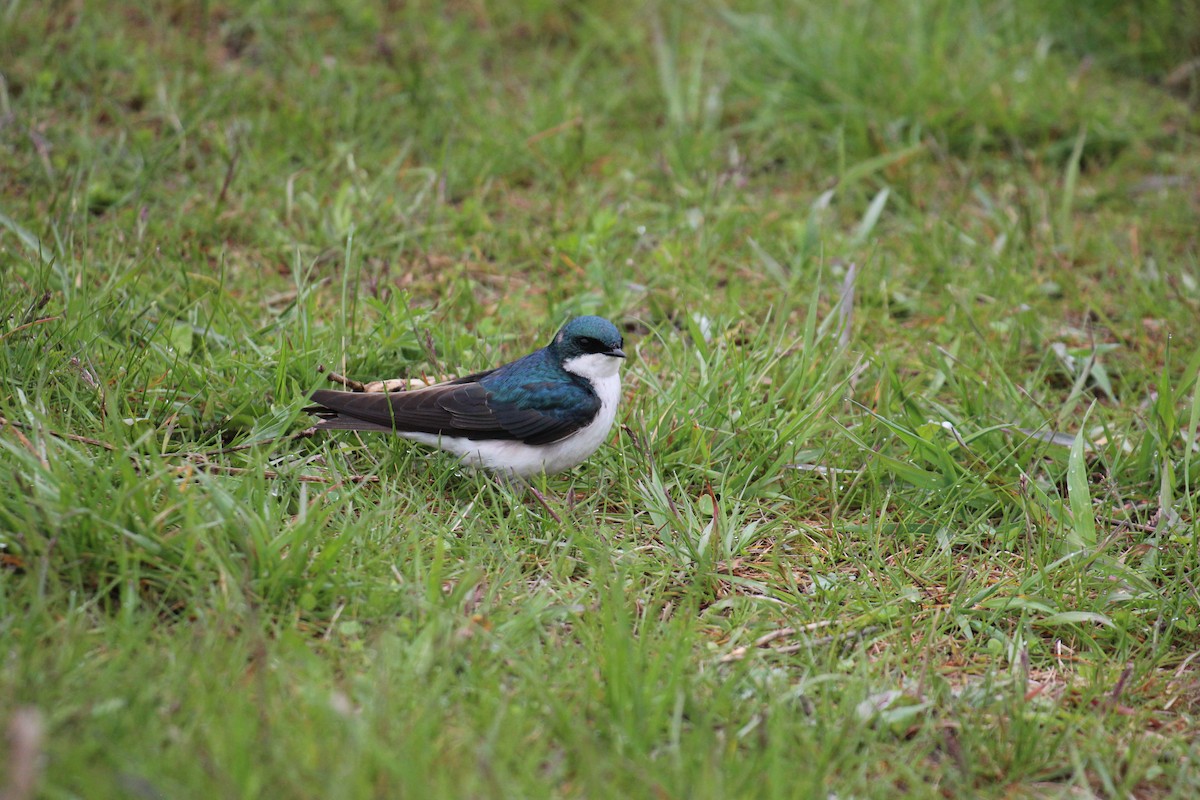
<point x="593" y="366"/>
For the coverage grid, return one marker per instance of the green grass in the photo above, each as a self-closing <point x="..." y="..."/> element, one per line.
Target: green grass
<point x="903" y="500"/>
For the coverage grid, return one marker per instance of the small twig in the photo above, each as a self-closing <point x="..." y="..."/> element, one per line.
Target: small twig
<point x="73" y="437"/>
<point x="637" y="445"/>
<point x="783" y="633"/>
<point x="736" y="654"/>
<point x="349" y="383"/>
<point x="767" y="638"/>
<point x="30" y="325"/>
<point x="542" y="499"/>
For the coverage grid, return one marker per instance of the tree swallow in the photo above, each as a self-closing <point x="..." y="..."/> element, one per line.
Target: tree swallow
<point x="545" y="412"/>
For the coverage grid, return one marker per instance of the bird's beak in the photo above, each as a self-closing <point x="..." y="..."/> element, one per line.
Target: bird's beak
<point x="618" y="353"/>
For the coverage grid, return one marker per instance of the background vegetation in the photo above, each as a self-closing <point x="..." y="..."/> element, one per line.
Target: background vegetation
<point x="903" y="500"/>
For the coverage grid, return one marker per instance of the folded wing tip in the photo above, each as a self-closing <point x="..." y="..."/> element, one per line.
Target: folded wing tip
<point x="339" y="423"/>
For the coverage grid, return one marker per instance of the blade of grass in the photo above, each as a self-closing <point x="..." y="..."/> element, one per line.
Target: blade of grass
<point x="1083" y="516"/>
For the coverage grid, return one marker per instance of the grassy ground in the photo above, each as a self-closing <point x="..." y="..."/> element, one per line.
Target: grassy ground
<point x="903" y="503"/>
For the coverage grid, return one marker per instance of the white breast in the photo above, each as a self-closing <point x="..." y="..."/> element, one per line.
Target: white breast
<point x="522" y="460"/>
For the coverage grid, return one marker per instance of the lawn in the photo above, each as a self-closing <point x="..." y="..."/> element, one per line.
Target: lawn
<point x="902" y="496"/>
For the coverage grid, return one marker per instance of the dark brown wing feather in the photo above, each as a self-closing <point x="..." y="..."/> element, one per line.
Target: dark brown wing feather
<point x="461" y="408"/>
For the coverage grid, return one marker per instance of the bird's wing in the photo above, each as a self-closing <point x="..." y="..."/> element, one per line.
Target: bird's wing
<point x="546" y="411"/>
<point x="534" y="413"/>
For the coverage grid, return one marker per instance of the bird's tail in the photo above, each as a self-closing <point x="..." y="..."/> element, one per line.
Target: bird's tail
<point x="330" y="418"/>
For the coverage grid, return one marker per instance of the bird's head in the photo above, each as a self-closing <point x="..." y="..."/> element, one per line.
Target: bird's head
<point x="589" y="347"/>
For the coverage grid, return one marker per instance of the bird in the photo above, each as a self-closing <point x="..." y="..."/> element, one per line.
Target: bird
<point x="543" y="413"/>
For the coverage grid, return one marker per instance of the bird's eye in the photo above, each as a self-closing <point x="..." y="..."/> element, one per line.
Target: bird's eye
<point x="592" y="345"/>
